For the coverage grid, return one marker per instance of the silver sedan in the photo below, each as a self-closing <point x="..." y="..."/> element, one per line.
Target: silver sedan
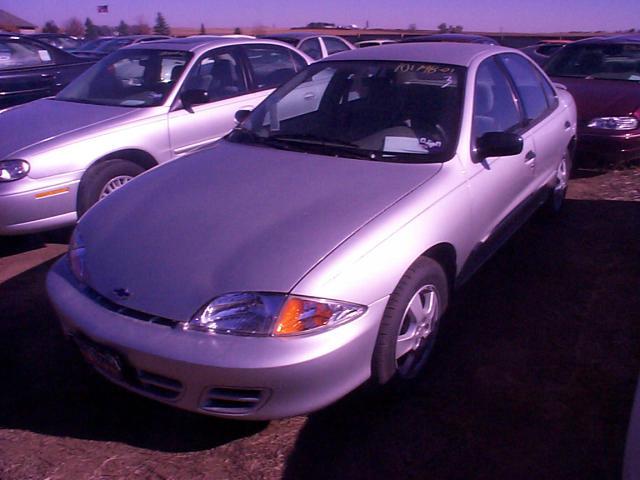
<point x="316" y="247"/>
<point x="141" y="106"/>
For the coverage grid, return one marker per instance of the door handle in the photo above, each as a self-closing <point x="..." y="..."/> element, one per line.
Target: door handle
<point x="531" y="155"/>
<point x="309" y="96"/>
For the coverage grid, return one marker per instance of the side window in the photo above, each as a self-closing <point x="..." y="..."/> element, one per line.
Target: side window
<point x="529" y="84"/>
<point x="219" y="73"/>
<point x="494" y="107"/>
<point x="334" y="45"/>
<point x="311" y="46"/>
<point x="271" y="65"/>
<point x="22" y="54"/>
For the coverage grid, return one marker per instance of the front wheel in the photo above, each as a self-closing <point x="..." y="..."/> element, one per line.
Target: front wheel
<point x="103" y="179"/>
<point x="410" y="322"/>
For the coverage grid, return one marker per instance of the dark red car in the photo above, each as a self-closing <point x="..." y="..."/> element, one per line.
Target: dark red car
<point x="603" y="75"/>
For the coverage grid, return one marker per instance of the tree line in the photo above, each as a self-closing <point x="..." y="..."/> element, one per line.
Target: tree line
<point x="90" y="30"/>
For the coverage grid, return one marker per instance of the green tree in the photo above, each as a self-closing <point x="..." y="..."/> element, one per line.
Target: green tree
<point x="50" y="27"/>
<point x="202" y="30"/>
<point x="237" y="31"/>
<point x="443" y="28"/>
<point x="90" y="30"/>
<point x="161" y="27"/>
<point x="122" y="28"/>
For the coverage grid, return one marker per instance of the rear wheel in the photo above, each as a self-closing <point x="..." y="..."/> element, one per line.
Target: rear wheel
<point x="103" y="179"/>
<point x="556" y="199"/>
<point x="410" y="322"/>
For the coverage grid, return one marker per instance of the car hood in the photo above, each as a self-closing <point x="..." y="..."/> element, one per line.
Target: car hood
<point x="46" y="120"/>
<point x="601" y="98"/>
<point x="232" y="218"/>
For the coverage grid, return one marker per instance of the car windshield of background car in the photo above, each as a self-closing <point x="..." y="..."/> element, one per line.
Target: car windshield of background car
<point x="602" y="61"/>
<point x="129" y="78"/>
<point x="377" y="110"/>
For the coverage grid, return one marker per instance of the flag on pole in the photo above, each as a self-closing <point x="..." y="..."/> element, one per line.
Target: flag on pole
<point x="103" y="8"/>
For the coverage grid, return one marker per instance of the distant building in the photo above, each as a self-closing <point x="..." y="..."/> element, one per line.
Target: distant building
<point x="11" y="23"/>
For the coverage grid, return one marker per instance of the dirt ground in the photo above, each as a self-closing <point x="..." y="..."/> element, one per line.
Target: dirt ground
<point x="532" y="378"/>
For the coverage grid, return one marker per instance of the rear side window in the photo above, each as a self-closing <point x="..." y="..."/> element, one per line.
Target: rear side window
<point x="529" y="84"/>
<point x="311" y="46"/>
<point x="15" y="54"/>
<point x="219" y="73"/>
<point x="272" y="65"/>
<point x="494" y="107"/>
<point x="334" y="45"/>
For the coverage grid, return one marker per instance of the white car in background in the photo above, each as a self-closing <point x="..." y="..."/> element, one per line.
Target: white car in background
<point x="139" y="107"/>
<point x="313" y="45"/>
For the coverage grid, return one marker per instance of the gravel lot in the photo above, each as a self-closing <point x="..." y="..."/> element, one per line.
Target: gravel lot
<point x="532" y="378"/>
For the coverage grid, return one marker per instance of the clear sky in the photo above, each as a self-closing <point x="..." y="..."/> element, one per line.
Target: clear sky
<point x="480" y="15"/>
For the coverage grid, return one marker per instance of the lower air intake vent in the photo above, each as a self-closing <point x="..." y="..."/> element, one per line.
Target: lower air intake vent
<point x="158" y="385"/>
<point x="233" y="400"/>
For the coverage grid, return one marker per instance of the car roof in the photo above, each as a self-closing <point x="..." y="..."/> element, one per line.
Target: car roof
<point x="450" y="37"/>
<point x="629" y="38"/>
<point x="450" y="53"/>
<point x="193" y="44"/>
<point x="296" y="35"/>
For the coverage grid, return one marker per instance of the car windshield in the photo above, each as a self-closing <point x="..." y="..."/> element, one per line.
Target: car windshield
<point x="373" y="110"/>
<point x="604" y="61"/>
<point x="129" y="78"/>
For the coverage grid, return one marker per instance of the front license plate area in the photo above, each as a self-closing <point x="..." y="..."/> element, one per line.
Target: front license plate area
<point x="102" y="358"/>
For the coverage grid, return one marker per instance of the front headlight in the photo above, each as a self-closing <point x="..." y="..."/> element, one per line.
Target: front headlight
<point x="614" y="123"/>
<point x="11" y="170"/>
<point x="271" y="314"/>
<point x="76" y="256"/>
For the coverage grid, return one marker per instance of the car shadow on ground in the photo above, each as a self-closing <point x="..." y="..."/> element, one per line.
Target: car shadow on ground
<point x="533" y="376"/>
<point x="47" y="388"/>
<point x="24" y="243"/>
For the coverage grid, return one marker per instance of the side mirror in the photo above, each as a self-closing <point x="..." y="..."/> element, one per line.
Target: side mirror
<point x="241" y="115"/>
<point x="498" y="144"/>
<point x="193" y="97"/>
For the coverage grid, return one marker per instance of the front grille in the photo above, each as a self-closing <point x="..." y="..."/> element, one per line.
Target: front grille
<point x="129" y="312"/>
<point x="159" y="385"/>
<point x="233" y="400"/>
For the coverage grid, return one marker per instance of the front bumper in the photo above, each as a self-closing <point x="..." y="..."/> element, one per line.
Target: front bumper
<point x="35" y="205"/>
<point x="255" y="378"/>
<point x="606" y="147"/>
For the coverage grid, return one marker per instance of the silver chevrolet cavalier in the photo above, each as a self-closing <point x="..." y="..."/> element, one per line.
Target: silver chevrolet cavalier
<point x="316" y="247"/>
<point x="141" y="106"/>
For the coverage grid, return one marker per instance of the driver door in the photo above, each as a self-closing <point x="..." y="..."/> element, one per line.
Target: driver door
<point x="221" y="74"/>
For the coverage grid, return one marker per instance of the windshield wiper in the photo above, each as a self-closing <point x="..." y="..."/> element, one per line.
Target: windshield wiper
<point x="314" y="139"/>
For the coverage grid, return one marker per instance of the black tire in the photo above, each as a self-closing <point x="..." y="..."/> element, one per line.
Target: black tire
<point x="555" y="202"/>
<point x="97" y="178"/>
<point x="425" y="278"/>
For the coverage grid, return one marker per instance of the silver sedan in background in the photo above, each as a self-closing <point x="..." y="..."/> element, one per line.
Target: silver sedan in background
<point x="141" y="106"/>
<point x="316" y="246"/>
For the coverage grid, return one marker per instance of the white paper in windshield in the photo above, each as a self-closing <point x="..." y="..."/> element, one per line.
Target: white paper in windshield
<point x="402" y="145"/>
<point x="44" y="55"/>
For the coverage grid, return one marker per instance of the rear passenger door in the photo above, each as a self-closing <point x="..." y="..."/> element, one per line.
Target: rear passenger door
<point x="219" y="72"/>
<point x="27" y="71"/>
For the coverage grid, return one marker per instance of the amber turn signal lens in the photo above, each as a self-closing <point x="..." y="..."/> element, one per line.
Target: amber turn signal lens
<point x="298" y="315"/>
